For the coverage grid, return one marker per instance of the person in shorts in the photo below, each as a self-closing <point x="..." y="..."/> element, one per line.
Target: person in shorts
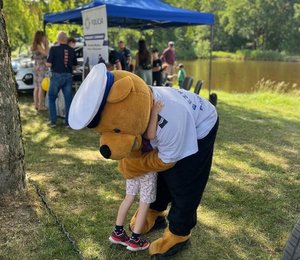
<point x="145" y="185"/>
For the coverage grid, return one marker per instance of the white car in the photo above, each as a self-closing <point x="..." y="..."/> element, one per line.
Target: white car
<point x="23" y="69"/>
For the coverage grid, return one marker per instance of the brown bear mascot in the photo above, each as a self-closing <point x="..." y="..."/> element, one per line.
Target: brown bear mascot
<point x="118" y="104"/>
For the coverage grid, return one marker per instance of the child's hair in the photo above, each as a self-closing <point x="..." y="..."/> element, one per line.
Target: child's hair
<point x="154" y="50"/>
<point x="71" y="40"/>
<point x="180" y="66"/>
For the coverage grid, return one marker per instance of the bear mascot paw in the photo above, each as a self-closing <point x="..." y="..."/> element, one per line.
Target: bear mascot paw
<point x="154" y="220"/>
<point x="169" y="244"/>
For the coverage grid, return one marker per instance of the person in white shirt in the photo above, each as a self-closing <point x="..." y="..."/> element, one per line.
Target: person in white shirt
<point x="185" y="136"/>
<point x="182" y="155"/>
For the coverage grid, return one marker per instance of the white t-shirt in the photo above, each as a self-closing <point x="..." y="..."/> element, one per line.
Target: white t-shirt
<point x="184" y="119"/>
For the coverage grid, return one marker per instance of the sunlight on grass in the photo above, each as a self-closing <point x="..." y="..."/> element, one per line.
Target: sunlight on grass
<point x="111" y="195"/>
<point x="92" y="248"/>
<point x="272" y="159"/>
<point x="250" y="203"/>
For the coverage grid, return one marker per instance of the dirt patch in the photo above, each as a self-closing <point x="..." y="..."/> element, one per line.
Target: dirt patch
<point x="18" y="226"/>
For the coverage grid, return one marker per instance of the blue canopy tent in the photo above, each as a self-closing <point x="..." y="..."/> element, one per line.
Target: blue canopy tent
<point x="138" y="14"/>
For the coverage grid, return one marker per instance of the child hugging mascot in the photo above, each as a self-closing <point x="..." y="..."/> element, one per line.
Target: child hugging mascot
<point x="117" y="105"/>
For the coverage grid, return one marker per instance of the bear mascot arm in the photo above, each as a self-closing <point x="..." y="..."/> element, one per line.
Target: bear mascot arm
<point x="148" y="162"/>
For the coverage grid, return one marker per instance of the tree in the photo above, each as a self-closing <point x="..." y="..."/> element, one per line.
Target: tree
<point x="12" y="174"/>
<point x="21" y="20"/>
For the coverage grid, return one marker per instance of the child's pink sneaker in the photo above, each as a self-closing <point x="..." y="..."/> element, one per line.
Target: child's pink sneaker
<point x="121" y="239"/>
<point x="137" y="245"/>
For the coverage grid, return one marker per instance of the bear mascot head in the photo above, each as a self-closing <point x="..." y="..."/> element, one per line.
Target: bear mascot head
<point x="117" y="105"/>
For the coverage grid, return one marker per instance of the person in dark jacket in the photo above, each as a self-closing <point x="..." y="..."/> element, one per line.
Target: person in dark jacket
<point x="61" y="60"/>
<point x="126" y="56"/>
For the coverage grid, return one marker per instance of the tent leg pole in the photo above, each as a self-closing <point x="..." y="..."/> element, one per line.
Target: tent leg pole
<point x="210" y="58"/>
<point x="212" y="96"/>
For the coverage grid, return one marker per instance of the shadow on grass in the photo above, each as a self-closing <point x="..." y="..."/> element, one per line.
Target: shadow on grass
<point x="255" y="179"/>
<point x="252" y="193"/>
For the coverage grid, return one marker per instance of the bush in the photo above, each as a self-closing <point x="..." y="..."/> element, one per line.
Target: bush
<point x="224" y="55"/>
<point x="259" y="55"/>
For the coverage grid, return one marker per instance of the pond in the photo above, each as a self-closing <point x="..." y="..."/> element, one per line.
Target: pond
<point x="241" y="76"/>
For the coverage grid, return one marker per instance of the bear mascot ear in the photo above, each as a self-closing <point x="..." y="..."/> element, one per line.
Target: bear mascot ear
<point x="120" y="90"/>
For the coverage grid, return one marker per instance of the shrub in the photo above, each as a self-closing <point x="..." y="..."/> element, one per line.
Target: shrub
<point x="260" y="55"/>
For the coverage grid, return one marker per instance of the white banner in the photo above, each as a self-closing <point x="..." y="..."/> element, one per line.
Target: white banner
<point x="95" y="49"/>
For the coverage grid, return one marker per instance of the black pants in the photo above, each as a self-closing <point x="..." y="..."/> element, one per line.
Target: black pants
<point x="183" y="186"/>
<point x="157" y="78"/>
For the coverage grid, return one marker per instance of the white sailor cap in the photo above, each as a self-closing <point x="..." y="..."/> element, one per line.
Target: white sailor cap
<point x="90" y="98"/>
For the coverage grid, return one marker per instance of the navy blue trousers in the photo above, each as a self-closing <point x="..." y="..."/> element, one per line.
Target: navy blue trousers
<point x="183" y="186"/>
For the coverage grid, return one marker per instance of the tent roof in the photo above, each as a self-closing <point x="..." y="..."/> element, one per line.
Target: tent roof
<point x="138" y="14"/>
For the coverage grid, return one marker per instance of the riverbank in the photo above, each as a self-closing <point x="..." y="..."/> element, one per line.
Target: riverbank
<point x="248" y="209"/>
<point x="256" y="55"/>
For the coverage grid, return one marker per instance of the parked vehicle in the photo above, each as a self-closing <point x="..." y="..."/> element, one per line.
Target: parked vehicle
<point x="23" y="69"/>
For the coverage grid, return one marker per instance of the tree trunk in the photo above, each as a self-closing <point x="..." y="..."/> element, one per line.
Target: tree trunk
<point x="12" y="174"/>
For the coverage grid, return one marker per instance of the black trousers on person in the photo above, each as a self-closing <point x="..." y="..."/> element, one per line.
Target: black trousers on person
<point x="183" y="186"/>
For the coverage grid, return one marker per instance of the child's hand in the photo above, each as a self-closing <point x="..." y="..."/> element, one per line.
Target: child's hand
<point x="157" y="106"/>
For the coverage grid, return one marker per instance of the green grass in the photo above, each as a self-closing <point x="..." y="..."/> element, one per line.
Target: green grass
<point x="248" y="208"/>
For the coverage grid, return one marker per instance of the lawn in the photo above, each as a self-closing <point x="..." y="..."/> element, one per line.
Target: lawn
<point x="247" y="211"/>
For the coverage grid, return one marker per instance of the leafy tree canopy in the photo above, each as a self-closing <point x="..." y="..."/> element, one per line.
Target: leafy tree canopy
<point x="239" y="24"/>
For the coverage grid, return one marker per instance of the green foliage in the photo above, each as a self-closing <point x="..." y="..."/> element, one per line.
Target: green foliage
<point x="202" y="48"/>
<point x="252" y="55"/>
<point x="53" y="29"/>
<point x="255" y="24"/>
<point x="259" y="55"/>
<point x="225" y="55"/>
<point x="239" y="24"/>
<point x="22" y="19"/>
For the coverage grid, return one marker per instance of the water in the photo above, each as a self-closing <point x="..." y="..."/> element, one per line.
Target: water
<point x="241" y="76"/>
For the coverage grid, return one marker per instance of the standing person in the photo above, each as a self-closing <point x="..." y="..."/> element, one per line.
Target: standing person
<point x="181" y="75"/>
<point x="156" y="69"/>
<point x="86" y="67"/>
<point x="143" y="63"/>
<point x="40" y="49"/>
<point x="126" y="56"/>
<point x="61" y="60"/>
<point x="114" y="60"/>
<point x="145" y="185"/>
<point x="72" y="42"/>
<point x="168" y="56"/>
<point x="60" y="102"/>
<point x="100" y="59"/>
